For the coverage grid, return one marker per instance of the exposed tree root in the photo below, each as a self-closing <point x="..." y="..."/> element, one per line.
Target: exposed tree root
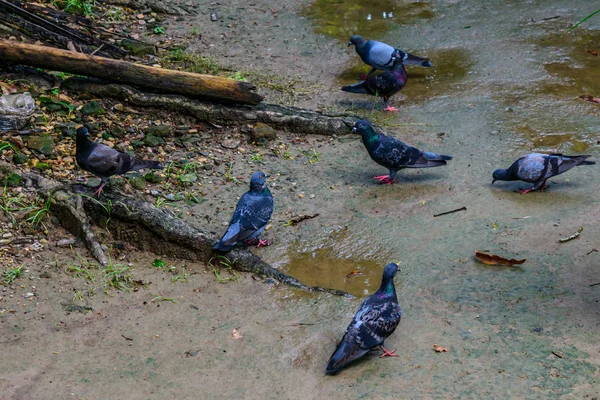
<point x="149" y="228"/>
<point x="293" y="119"/>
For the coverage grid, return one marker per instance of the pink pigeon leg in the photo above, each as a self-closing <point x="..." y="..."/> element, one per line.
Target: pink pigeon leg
<point x="388" y="353"/>
<point x="385" y="179"/>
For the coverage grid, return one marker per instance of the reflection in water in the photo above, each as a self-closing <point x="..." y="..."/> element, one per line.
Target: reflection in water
<point x="553" y="143"/>
<point x="321" y="267"/>
<point x="344" y="18"/>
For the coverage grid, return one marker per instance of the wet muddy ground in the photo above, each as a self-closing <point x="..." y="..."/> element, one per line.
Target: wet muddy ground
<point x="506" y="80"/>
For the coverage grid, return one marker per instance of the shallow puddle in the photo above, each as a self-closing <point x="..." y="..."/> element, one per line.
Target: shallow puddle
<point x="322" y="267"/>
<point x="577" y="64"/>
<point x="342" y="19"/>
<point x="449" y="68"/>
<point x="553" y="142"/>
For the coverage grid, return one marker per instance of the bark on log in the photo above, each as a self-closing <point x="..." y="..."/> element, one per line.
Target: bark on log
<point x="213" y="88"/>
<point x="147" y="227"/>
<point x="293" y="119"/>
<point x="159" y="6"/>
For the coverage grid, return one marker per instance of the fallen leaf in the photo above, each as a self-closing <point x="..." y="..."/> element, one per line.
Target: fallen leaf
<point x="591" y="99"/>
<point x="300" y="218"/>
<point x="235" y="334"/>
<point x="354" y="273"/>
<point x="593" y="52"/>
<point x="440" y="349"/>
<point x="492" y="259"/>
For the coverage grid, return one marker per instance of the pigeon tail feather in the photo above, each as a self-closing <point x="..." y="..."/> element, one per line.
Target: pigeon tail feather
<point x="429" y="156"/>
<point x="416" y="60"/>
<point x="141" y="164"/>
<point x="355" y="88"/>
<point x="346" y="352"/>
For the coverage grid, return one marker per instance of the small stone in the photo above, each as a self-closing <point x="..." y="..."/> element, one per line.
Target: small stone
<point x="28" y="295"/>
<point x="42" y="166"/>
<point x="138" y="182"/>
<point x="138" y="48"/>
<point x="92" y="108"/>
<point x="41" y="144"/>
<point x="12" y="179"/>
<point x="312" y="196"/>
<point x="153" y="177"/>
<point x="159" y="130"/>
<point x="262" y="133"/>
<point x="140" y="16"/>
<point x="20" y="158"/>
<point x="152" y="141"/>
<point x="188" y="178"/>
<point x="230" y="143"/>
<point x="170" y="197"/>
<point x="142" y="22"/>
<point x="155" y="193"/>
<point x="117" y="131"/>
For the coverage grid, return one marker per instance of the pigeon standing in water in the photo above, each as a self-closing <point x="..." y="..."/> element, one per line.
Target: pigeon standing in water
<point x="384" y="84"/>
<point x="376" y="319"/>
<point x="252" y="213"/>
<point x="538" y="168"/>
<point x="395" y="154"/>
<point x="104" y="161"/>
<point x="380" y="55"/>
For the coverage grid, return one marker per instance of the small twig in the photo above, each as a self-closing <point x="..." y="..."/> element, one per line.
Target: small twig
<point x="573" y="236"/>
<point x="300" y="324"/>
<point x="557" y="354"/>
<point x="452" y="211"/>
<point x="595" y="284"/>
<point x="300" y="218"/>
<point x="97" y="50"/>
<point x="126" y="338"/>
<point x="591" y="251"/>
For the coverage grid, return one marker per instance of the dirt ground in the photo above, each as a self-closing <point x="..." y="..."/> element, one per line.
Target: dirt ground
<point x="506" y="80"/>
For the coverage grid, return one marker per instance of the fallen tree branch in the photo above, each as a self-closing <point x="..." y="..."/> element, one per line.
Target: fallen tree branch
<point x="209" y="87"/>
<point x="294" y="119"/>
<point x="148" y="228"/>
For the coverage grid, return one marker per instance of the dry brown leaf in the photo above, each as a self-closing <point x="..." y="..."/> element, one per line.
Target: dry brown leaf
<point x="593" y="52"/>
<point x="440" y="349"/>
<point x="354" y="273"/>
<point x="235" y="334"/>
<point x="492" y="259"/>
<point x="591" y="99"/>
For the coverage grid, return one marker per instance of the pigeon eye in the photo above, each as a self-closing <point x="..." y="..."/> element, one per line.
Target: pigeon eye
<point x="261" y="176"/>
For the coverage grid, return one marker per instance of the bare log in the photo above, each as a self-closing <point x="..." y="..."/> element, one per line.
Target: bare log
<point x="293" y="119"/>
<point x="212" y="88"/>
<point x="149" y="228"/>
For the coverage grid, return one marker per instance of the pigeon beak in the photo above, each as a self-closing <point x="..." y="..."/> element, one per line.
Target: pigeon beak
<point x="350" y="44"/>
<point x="266" y="176"/>
<point x="353" y="130"/>
<point x="494" y="180"/>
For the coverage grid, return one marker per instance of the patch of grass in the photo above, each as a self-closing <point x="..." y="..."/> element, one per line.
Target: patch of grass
<point x="178" y="58"/>
<point x="39" y="213"/>
<point x="117" y="276"/>
<point x="160" y="201"/>
<point x="10" y="204"/>
<point x="81" y="271"/>
<point x="11" y="274"/>
<point x="312" y="155"/>
<point x="238" y="76"/>
<point x="105" y="206"/>
<point x="221" y="262"/>
<point x="229" y="174"/>
<point x="256" y="157"/>
<point x="158" y="30"/>
<point x="287" y="155"/>
<point x="77" y="7"/>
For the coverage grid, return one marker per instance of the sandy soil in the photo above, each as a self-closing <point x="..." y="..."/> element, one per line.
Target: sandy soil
<point x="504" y="82"/>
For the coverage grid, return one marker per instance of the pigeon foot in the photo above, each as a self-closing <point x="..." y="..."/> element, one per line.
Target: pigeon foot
<point x="263" y="243"/>
<point x="388" y="353"/>
<point x="523" y="191"/>
<point x="390" y="109"/>
<point x="385" y="179"/>
<point x="99" y="190"/>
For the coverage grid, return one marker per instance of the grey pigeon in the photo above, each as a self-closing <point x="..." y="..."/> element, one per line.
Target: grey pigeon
<point x="384" y="84"/>
<point x="251" y="215"/>
<point x="104" y="161"/>
<point x="376" y="319"/>
<point x="538" y="168"/>
<point x="380" y="55"/>
<point x="395" y="154"/>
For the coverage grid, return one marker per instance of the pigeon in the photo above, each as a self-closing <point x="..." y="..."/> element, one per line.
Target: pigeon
<point x="380" y="55"/>
<point x="395" y="154"/>
<point x="104" y="161"/>
<point x="375" y="320"/>
<point x="384" y="84"/>
<point x="252" y="213"/>
<point x="538" y="168"/>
